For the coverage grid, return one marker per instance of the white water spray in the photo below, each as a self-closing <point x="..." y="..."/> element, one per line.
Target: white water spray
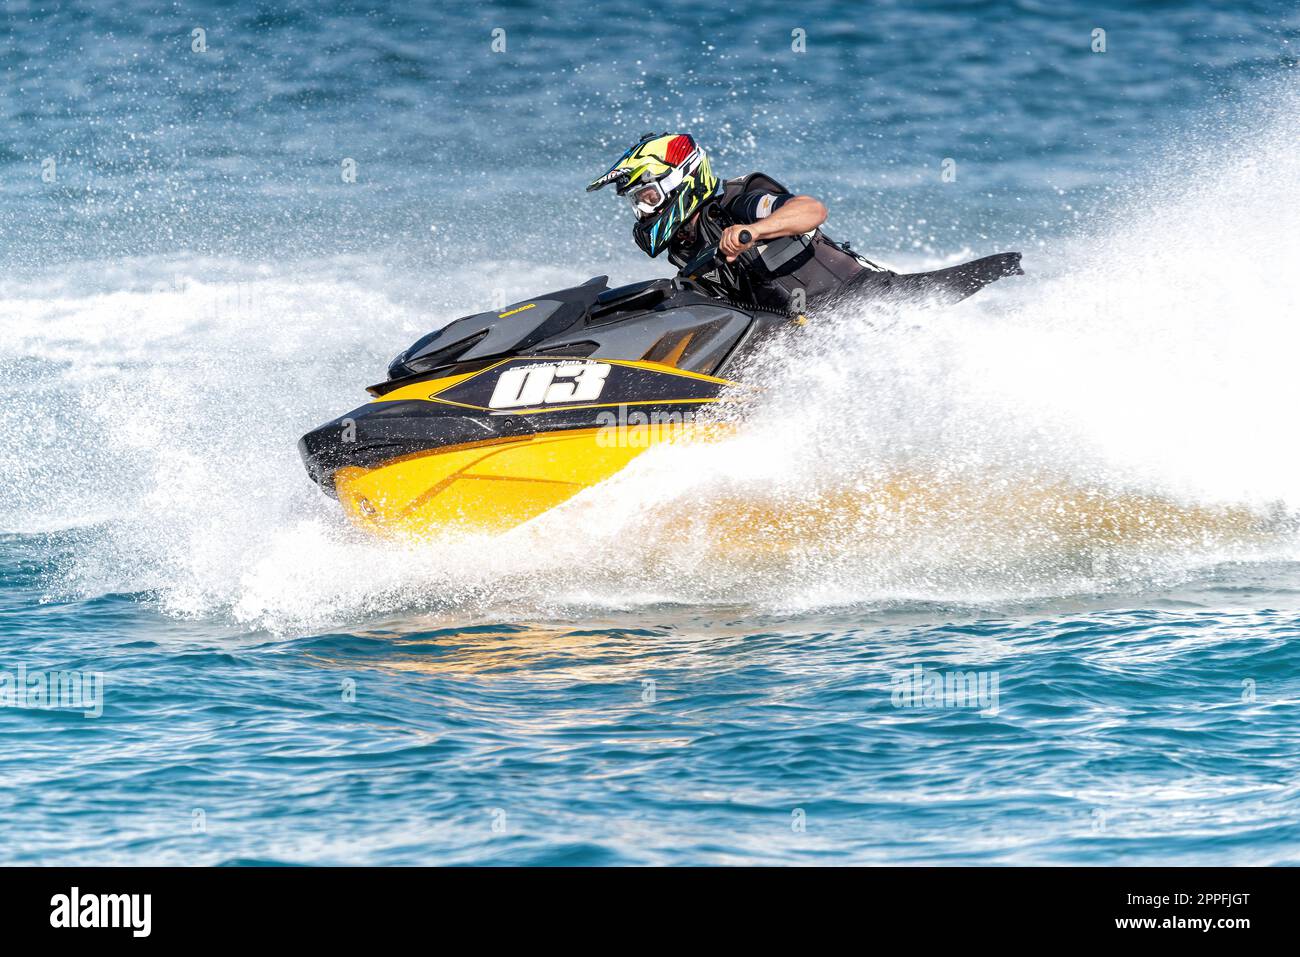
<point x="1143" y="377"/>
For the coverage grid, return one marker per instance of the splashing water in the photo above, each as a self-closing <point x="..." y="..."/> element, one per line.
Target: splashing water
<point x="1080" y="482"/>
<point x="1112" y="419"/>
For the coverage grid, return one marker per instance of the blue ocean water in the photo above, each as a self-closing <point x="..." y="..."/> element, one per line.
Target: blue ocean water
<point x="1070" y="638"/>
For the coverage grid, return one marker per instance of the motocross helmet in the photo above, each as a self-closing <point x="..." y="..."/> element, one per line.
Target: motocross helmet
<point x="666" y="177"/>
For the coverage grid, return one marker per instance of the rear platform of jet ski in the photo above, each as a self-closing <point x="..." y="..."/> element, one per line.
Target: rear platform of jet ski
<point x="940" y="286"/>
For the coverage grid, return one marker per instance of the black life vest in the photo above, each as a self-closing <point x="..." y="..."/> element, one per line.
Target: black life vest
<point x="783" y="274"/>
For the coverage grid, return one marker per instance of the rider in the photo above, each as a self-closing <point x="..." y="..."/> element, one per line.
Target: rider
<point x="787" y="261"/>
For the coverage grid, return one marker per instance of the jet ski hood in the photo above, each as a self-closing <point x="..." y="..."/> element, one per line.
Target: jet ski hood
<point x="513" y="330"/>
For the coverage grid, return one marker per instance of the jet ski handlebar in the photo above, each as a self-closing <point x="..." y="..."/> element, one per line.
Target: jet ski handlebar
<point x="708" y="258"/>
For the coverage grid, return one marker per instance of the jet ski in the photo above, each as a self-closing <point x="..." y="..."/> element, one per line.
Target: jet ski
<point x="500" y="416"/>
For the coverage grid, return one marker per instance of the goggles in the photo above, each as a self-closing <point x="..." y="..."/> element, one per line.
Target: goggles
<point x="650" y="197"/>
<point x="647" y="199"/>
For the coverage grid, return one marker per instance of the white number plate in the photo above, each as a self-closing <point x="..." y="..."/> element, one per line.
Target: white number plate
<point x="549" y="385"/>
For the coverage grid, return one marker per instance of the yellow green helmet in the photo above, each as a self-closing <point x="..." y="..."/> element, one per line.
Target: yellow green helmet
<point x="667" y="178"/>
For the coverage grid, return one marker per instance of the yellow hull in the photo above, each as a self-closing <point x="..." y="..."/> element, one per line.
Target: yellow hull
<point x="496" y="484"/>
<point x="489" y="486"/>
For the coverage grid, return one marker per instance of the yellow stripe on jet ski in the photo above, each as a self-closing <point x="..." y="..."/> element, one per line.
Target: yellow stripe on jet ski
<point x="430" y="389"/>
<point x="567" y="408"/>
<point x="421" y="390"/>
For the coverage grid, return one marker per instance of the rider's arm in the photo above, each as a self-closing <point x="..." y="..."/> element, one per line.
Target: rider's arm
<point x="798" y="214"/>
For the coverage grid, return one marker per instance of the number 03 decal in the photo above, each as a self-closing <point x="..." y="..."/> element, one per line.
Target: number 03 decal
<point x="549" y="385"/>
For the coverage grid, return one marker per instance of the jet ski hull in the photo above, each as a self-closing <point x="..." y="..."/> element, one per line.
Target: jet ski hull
<point x="436" y="454"/>
<point x="500" y="416"/>
<point x="485" y="487"/>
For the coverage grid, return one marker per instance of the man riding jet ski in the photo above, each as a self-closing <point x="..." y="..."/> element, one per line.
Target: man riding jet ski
<point x="496" y="418"/>
<point x="790" y="263"/>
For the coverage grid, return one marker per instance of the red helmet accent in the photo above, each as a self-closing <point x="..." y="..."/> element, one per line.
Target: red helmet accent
<point x="679" y="147"/>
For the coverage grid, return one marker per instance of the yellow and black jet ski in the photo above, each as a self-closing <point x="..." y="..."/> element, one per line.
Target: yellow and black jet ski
<point x="500" y="416"/>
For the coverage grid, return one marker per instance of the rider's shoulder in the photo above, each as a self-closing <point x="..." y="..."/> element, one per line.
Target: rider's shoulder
<point x="747" y="199"/>
<point x="743" y="188"/>
<point x="754" y="183"/>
